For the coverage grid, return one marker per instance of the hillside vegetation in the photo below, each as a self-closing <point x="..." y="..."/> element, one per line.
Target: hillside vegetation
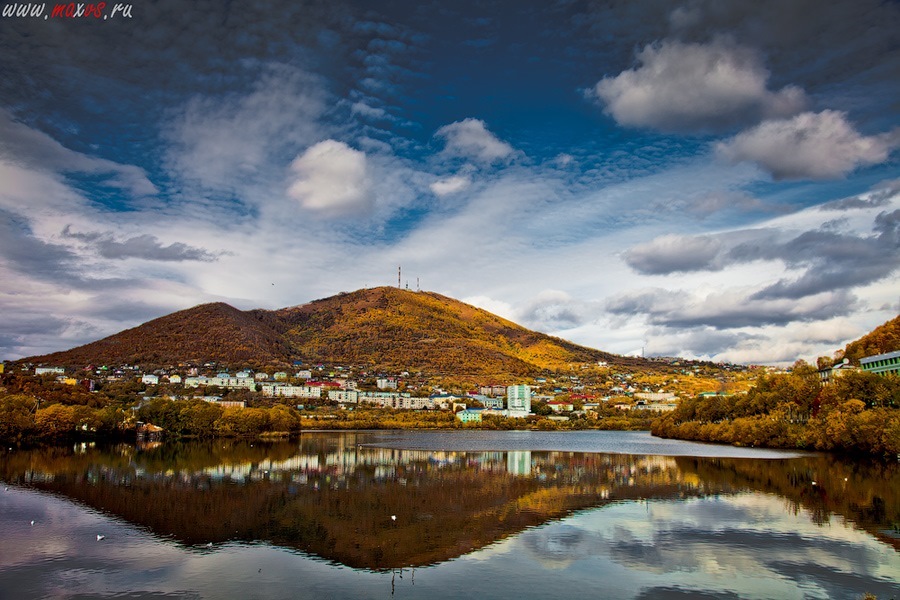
<point x="209" y="332"/>
<point x="399" y="329"/>
<point x="884" y="338"/>
<point x="859" y="414"/>
<point x="380" y="328"/>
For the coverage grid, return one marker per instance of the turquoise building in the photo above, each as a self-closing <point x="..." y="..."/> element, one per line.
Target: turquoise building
<point x="882" y="363"/>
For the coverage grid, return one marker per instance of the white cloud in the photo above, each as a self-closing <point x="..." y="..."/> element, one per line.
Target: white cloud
<point x="229" y="143"/>
<point x="331" y="179"/>
<point x="810" y="145"/>
<point x="364" y="110"/>
<point x="26" y="147"/>
<point x="450" y="185"/>
<point x="471" y="139"/>
<point x="687" y="87"/>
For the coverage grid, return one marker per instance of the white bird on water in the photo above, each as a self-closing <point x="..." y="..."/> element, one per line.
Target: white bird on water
<point x="32" y="522"/>
<point x="100" y="537"/>
<point x="393" y="517"/>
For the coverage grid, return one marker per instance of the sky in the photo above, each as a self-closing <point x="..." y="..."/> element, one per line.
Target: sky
<point x="709" y="179"/>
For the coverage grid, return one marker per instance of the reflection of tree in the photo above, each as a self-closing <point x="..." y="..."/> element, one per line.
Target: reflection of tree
<point x="333" y="497"/>
<point x="866" y="494"/>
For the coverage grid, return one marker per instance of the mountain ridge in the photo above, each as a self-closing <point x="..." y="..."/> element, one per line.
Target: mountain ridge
<point x="383" y="327"/>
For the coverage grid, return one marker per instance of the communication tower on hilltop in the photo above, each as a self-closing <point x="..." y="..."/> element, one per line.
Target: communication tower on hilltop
<point x="398" y="278"/>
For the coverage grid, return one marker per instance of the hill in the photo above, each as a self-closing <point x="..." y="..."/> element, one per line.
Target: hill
<point x="383" y="327"/>
<point x="884" y="338"/>
<point x="209" y="332"/>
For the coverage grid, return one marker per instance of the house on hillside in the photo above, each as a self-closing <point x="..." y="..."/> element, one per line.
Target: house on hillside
<point x="559" y="406"/>
<point x="829" y="374"/>
<point x="46" y="370"/>
<point x="881" y="364"/>
<point x="387" y="383"/>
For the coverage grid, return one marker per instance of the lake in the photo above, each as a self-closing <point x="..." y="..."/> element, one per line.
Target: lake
<point x="446" y="514"/>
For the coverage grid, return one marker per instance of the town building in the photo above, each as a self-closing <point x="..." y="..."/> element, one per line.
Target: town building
<point x="387" y="383"/>
<point x="274" y="390"/>
<point x="828" y="374"/>
<point x="881" y="364"/>
<point x="518" y="400"/>
<point x="559" y="406"/>
<point x="45" y="370"/>
<point x="344" y="396"/>
<point x="471" y="415"/>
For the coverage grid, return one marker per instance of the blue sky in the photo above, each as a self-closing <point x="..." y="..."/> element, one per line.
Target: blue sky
<point x="703" y="178"/>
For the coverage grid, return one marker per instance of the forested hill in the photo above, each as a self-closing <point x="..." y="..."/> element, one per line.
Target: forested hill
<point x="208" y="332"/>
<point x="381" y="327"/>
<point x="428" y="331"/>
<point x="882" y="339"/>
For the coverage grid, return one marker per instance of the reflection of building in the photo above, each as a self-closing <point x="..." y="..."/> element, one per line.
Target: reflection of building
<point x="518" y="400"/>
<point x="882" y="363"/>
<point x="518" y="462"/>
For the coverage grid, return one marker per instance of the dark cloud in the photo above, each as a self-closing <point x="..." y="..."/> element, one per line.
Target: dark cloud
<point x="829" y="259"/>
<point x="146" y="247"/>
<point x="674" y="253"/>
<point x="687" y="87"/>
<point x="27" y="254"/>
<point x="833" y="260"/>
<point x="748" y="313"/>
<point x="679" y="310"/>
<point x="702" y="341"/>
<point x="554" y="311"/>
<point x="880" y="196"/>
<point x="811" y="42"/>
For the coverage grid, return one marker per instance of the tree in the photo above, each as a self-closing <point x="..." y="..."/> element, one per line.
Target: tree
<point x="16" y="417"/>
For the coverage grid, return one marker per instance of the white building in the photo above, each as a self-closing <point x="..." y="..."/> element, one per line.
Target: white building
<point x="518" y="400"/>
<point x="387" y="383"/>
<point x="274" y="390"/>
<point x="150" y="379"/>
<point x="225" y="382"/>
<point x="45" y="370"/>
<point x="351" y="396"/>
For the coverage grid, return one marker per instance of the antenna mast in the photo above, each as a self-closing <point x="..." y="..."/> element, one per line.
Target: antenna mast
<point x="398" y="277"/>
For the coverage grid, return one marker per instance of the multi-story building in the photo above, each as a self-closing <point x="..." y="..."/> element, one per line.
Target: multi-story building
<point x="387" y="383"/>
<point x="45" y="370"/>
<point x="345" y="396"/>
<point x="881" y="364"/>
<point x="274" y="390"/>
<point x="518" y="400"/>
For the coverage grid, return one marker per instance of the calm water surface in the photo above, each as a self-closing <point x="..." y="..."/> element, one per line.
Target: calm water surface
<point x="446" y="515"/>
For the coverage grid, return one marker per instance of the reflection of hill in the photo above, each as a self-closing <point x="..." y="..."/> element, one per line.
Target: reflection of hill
<point x="334" y="498"/>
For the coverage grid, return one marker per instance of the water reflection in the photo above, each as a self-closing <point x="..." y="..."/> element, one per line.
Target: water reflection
<point x="387" y="511"/>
